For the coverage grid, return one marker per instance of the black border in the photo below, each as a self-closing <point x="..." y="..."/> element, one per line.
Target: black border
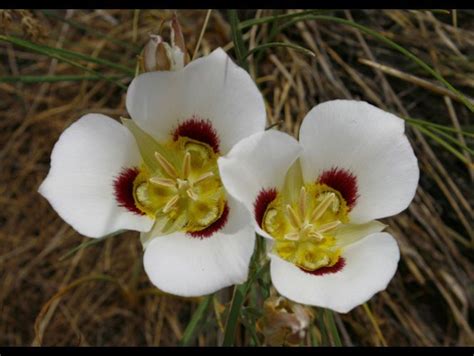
<point x="314" y="351"/>
<point x="238" y="4"/>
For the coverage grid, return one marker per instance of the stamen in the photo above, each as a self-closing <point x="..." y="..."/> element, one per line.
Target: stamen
<point x="192" y="194"/>
<point x="329" y="226"/>
<point x="316" y="235"/>
<point x="323" y="206"/>
<point x="204" y="177"/>
<point x="186" y="165"/>
<point x="293" y="217"/>
<point x="164" y="182"/>
<point x="292" y="236"/>
<point x="166" y="165"/>
<point x="302" y="202"/>
<point x="170" y="204"/>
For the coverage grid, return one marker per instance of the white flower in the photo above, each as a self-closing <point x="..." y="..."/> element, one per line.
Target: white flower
<point x="158" y="173"/>
<point x="317" y="200"/>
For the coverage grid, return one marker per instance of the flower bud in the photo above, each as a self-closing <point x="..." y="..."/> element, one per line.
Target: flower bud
<point x="159" y="55"/>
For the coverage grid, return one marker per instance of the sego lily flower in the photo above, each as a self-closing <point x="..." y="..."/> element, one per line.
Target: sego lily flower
<point x="158" y="173"/>
<point x="317" y="200"/>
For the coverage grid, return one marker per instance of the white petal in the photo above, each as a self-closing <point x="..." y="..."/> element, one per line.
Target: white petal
<point x="370" y="265"/>
<point x="189" y="266"/>
<point x="211" y="87"/>
<point x="258" y="162"/>
<point x="84" y="162"/>
<point x="371" y="144"/>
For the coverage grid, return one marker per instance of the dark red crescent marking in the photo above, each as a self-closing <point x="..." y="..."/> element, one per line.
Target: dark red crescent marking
<point x="344" y="182"/>
<point x="338" y="266"/>
<point x="214" y="227"/>
<point x="264" y="198"/>
<point x="199" y="130"/>
<point x="123" y="187"/>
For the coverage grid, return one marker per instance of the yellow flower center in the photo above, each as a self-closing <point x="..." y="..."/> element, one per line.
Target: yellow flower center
<point x="184" y="191"/>
<point x="304" y="228"/>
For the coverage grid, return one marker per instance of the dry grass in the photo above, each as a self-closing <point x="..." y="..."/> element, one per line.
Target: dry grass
<point x="100" y="295"/>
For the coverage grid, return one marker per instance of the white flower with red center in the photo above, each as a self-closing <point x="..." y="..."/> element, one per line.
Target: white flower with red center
<point x="158" y="173"/>
<point x="316" y="200"/>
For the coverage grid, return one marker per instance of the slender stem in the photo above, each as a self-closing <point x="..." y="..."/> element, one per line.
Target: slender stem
<point x="238" y="299"/>
<point x="322" y="327"/>
<point x="375" y="324"/>
<point x="197" y="319"/>
<point x="333" y="328"/>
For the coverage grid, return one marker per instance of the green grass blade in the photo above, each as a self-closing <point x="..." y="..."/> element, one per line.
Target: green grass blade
<point x="452" y="139"/>
<point x="46" y="51"/>
<point x="87" y="243"/>
<point x="263" y="20"/>
<point x="239" y="47"/>
<point x="231" y="325"/>
<point x="238" y="299"/>
<point x="333" y="328"/>
<point x="312" y="335"/>
<point x="30" y="79"/>
<point x="63" y="53"/>
<point x="197" y="319"/>
<point x="322" y="327"/>
<point x="438" y="126"/>
<point x="443" y="143"/>
<point x="280" y="44"/>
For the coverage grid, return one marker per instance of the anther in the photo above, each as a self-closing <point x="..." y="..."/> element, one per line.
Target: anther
<point x="192" y="194"/>
<point x="164" y="182"/>
<point x="329" y="226"/>
<point x="316" y="235"/>
<point x="203" y="177"/>
<point x="166" y="165"/>
<point x="292" y="236"/>
<point x="293" y="217"/>
<point x="186" y="165"/>
<point x="323" y="206"/>
<point x="302" y="202"/>
<point x="170" y="204"/>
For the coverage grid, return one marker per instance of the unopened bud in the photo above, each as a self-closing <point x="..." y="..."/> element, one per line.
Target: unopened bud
<point x="159" y="55"/>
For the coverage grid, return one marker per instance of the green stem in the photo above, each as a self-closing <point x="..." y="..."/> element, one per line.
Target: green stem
<point x="197" y="319"/>
<point x="322" y="327"/>
<point x="240" y="293"/>
<point x="332" y="328"/>
<point x="237" y="302"/>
